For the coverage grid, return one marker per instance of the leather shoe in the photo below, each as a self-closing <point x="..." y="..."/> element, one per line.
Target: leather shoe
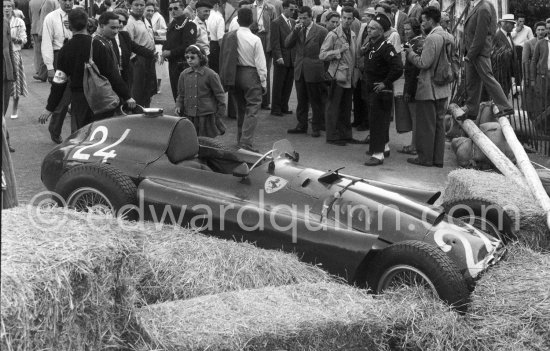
<point x="56" y="139"/>
<point x="287" y="112"/>
<point x="416" y="161"/>
<point x="37" y="77"/>
<point x="337" y="142"/>
<point x="386" y="153"/>
<point x="373" y="161"/>
<point x="316" y="134"/>
<point x="276" y="113"/>
<point x="297" y="131"/>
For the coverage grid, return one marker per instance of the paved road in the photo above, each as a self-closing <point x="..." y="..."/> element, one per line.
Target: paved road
<point x="32" y="142"/>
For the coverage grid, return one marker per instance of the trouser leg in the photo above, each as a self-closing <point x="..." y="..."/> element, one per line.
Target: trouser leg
<point x="412" y="111"/>
<point x="58" y="116"/>
<point x="214" y="57"/>
<point x="425" y="123"/>
<point x="379" y="116"/>
<point x="344" y="122"/>
<point x="287" y="88"/>
<point x="485" y="72"/>
<point x="266" y="98"/>
<point x="332" y="114"/>
<point x="174" y="74"/>
<point x="303" y="103"/>
<point x="318" y="95"/>
<point x="439" y="137"/>
<point x="248" y="81"/>
<point x="279" y="76"/>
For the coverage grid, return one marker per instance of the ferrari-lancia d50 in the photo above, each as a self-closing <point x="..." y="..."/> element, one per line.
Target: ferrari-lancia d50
<point x="154" y="167"/>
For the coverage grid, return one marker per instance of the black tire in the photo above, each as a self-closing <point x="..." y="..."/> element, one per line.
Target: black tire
<point x="485" y="216"/>
<point x="427" y="264"/>
<point x="211" y="142"/>
<point x="98" y="185"/>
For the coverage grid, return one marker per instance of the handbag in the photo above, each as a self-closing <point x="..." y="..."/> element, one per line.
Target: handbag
<point x="97" y="89"/>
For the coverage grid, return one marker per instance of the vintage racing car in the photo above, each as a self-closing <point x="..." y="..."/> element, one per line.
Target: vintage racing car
<point x="153" y="167"/>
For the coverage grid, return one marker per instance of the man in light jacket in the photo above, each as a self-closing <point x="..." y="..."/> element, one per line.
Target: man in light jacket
<point x="339" y="49"/>
<point x="431" y="98"/>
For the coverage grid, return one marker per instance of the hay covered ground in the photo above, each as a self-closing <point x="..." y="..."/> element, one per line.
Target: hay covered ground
<point x="78" y="282"/>
<point x="69" y="279"/>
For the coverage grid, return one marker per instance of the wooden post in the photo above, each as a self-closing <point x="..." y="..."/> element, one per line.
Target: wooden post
<point x="492" y="152"/>
<point x="9" y="195"/>
<point x="524" y="164"/>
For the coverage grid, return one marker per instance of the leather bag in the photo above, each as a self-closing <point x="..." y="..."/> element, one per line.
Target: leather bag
<point x="97" y="89"/>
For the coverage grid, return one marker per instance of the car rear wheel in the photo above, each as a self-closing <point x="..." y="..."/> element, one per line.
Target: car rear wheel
<point x="485" y="216"/>
<point x="418" y="264"/>
<point x="99" y="188"/>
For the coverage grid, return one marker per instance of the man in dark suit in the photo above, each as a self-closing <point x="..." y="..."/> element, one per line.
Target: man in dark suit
<point x="181" y="33"/>
<point x="309" y="72"/>
<point x="126" y="47"/>
<point x="415" y="10"/>
<point x="263" y="14"/>
<point x="479" y="29"/>
<point x="283" y="59"/>
<point x="540" y="71"/>
<point x="503" y="57"/>
<point x="398" y="19"/>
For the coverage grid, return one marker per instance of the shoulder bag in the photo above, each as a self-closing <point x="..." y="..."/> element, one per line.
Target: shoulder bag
<point x="97" y="89"/>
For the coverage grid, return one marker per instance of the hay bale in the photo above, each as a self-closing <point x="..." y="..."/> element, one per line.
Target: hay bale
<point x="72" y="283"/>
<point x="510" y="307"/>
<point x="529" y="217"/>
<point x="63" y="287"/>
<point x="185" y="266"/>
<point x="321" y="316"/>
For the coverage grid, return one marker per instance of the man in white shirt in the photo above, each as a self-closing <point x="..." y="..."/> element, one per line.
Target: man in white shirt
<point x="520" y="35"/>
<point x="38" y="10"/>
<point x="216" y="27"/>
<point x="243" y="71"/>
<point x="203" y="8"/>
<point x="55" y="33"/>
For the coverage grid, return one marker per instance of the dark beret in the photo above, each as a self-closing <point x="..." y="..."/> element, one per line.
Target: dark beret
<point x="384" y="21"/>
<point x="203" y="3"/>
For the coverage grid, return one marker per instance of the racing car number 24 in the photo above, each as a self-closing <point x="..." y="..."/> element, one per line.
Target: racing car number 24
<point x="80" y="154"/>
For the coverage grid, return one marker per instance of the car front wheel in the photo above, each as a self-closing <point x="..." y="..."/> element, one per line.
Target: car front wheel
<point x="415" y="263"/>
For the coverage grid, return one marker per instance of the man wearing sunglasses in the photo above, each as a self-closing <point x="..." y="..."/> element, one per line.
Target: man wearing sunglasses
<point x="181" y="33"/>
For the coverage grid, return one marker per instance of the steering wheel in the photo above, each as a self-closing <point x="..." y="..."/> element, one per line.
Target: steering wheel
<point x="264" y="156"/>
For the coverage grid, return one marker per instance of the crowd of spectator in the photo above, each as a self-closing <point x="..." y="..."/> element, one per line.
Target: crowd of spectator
<point x="381" y="62"/>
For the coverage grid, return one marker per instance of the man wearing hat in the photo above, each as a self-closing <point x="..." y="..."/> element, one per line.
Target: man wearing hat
<point x="503" y="56"/>
<point x="479" y="29"/>
<point x="181" y="33"/>
<point x="383" y="66"/>
<point x="203" y="8"/>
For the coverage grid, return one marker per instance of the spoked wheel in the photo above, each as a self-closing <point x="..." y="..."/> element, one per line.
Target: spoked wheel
<point x="90" y="200"/>
<point x="99" y="188"/>
<point x="405" y="276"/>
<point x="415" y="263"/>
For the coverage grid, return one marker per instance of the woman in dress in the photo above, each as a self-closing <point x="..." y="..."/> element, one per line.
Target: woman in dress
<point x="18" y="33"/>
<point x="201" y="97"/>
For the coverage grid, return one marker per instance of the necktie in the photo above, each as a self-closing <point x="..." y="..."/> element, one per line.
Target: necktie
<point x="289" y="25"/>
<point x="510" y="40"/>
<point x="304" y="33"/>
